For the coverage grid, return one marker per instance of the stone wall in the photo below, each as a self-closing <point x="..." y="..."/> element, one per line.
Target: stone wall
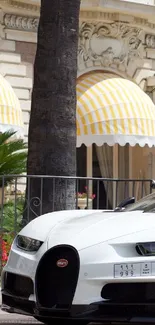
<point x="27" y="51"/>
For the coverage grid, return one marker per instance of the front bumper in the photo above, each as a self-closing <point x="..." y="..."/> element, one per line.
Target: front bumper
<point x="105" y="312"/>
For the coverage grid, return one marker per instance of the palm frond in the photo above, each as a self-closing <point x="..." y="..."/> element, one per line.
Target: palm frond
<point x="12" y="162"/>
<point x="13" y="157"/>
<point x="9" y="148"/>
<point x="6" y="136"/>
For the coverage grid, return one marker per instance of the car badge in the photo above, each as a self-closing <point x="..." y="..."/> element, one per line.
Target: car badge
<point x="62" y="263"/>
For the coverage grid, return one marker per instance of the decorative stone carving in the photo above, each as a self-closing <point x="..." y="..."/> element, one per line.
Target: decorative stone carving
<point x="24" y="6"/>
<point x="150" y="41"/>
<point x="1" y="32"/>
<point x="21" y="23"/>
<point x="108" y="45"/>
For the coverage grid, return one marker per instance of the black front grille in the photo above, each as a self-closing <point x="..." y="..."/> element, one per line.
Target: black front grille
<point x="18" y="285"/>
<point x="55" y="286"/>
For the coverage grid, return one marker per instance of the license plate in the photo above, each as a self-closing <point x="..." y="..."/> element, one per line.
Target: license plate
<point x="134" y="270"/>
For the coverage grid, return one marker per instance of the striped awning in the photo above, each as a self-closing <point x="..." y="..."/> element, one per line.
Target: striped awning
<point x="10" y="111"/>
<point x="113" y="110"/>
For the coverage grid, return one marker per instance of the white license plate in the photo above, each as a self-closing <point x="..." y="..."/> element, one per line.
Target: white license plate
<point x="134" y="270"/>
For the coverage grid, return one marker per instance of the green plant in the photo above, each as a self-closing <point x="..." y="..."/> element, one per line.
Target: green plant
<point x="13" y="157"/>
<point x="12" y="214"/>
<point x="11" y="220"/>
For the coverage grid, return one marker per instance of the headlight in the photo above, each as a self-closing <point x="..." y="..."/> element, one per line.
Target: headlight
<point x="146" y="249"/>
<point x="28" y="244"/>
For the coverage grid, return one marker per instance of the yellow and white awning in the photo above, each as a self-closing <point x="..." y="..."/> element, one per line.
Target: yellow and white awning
<point x="10" y="111"/>
<point x="113" y="110"/>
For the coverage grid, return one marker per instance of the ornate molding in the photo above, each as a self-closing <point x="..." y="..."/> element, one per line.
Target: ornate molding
<point x="98" y="15"/>
<point x="86" y="14"/>
<point x="22" y="23"/>
<point x="101" y="16"/>
<point x="150" y="41"/>
<point x="21" y="6"/>
<point x="109" y="45"/>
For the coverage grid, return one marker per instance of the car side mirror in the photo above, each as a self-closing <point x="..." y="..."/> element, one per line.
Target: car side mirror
<point x="124" y="203"/>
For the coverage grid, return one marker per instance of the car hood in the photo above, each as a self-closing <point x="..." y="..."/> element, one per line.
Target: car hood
<point x="89" y="227"/>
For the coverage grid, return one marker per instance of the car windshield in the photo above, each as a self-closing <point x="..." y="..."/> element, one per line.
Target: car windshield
<point x="146" y="204"/>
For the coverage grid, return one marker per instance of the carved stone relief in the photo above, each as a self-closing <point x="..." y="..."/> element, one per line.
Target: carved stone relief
<point x="109" y="45"/>
<point x="21" y="23"/>
<point x="18" y="5"/>
<point x="150" y="41"/>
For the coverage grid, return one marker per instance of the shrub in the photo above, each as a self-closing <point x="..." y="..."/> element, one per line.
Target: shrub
<point x="11" y="220"/>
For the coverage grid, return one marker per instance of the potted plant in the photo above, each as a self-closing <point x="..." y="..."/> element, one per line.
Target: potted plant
<point x="13" y="157"/>
<point x="85" y="199"/>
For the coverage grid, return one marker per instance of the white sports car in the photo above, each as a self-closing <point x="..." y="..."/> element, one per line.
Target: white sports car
<point x="84" y="266"/>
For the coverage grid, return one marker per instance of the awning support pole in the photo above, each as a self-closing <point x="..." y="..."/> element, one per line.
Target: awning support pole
<point x="115" y="172"/>
<point x="130" y="169"/>
<point x="90" y="169"/>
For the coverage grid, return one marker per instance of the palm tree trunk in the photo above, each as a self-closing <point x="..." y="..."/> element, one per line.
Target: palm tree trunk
<point x="52" y="129"/>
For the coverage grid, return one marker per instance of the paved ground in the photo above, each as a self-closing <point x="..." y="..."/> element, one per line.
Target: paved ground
<point x="16" y="319"/>
<point x="6" y="318"/>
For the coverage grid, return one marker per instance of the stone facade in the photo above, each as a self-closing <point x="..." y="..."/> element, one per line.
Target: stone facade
<point x="117" y="42"/>
<point x="116" y="36"/>
<point x="18" y="34"/>
<point x="121" y="42"/>
<point x="27" y="51"/>
<point x="17" y="73"/>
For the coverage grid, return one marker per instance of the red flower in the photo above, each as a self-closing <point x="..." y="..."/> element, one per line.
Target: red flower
<point x="5" y="248"/>
<point x="4" y="256"/>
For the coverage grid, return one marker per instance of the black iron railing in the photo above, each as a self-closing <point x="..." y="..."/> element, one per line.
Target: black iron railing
<point x="48" y="193"/>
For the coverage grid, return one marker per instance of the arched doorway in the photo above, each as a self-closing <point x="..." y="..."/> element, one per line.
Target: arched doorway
<point x="113" y="116"/>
